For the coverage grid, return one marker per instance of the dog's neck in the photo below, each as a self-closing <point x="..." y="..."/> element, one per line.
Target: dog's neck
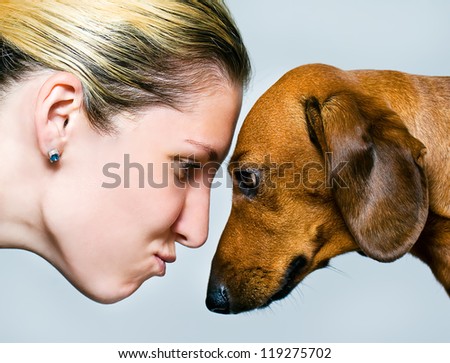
<point x="433" y="248"/>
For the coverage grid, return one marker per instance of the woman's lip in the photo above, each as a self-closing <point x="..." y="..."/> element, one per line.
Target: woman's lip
<point x="162" y="265"/>
<point x="167" y="258"/>
<point x="162" y="260"/>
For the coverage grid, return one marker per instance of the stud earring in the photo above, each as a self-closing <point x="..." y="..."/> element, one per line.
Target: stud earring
<point x="53" y="155"/>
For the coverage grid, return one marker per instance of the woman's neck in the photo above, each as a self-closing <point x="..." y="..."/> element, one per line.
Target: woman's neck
<point x="22" y="171"/>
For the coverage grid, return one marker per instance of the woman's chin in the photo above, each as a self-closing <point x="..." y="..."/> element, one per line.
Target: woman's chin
<point x="108" y="293"/>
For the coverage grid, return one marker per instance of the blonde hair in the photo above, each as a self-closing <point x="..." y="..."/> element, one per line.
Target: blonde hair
<point x="127" y="54"/>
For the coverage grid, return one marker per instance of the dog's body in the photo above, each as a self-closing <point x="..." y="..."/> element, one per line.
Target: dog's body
<point x="328" y="162"/>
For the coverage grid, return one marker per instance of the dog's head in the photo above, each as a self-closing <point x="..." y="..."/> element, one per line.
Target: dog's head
<point x="320" y="169"/>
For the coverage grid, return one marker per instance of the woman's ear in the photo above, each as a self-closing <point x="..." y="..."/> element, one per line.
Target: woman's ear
<point x="58" y="103"/>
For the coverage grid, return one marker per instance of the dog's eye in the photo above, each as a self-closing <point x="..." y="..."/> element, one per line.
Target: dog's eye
<point x="247" y="181"/>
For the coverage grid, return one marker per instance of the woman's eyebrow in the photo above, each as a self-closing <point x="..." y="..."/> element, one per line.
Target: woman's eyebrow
<point x="212" y="153"/>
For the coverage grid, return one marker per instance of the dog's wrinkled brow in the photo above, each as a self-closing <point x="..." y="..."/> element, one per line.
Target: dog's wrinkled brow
<point x="237" y="156"/>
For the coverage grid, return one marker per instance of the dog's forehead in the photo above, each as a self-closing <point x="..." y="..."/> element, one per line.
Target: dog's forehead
<point x="275" y="125"/>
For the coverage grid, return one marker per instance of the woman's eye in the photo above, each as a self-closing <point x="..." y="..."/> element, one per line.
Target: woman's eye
<point x="186" y="170"/>
<point x="247" y="181"/>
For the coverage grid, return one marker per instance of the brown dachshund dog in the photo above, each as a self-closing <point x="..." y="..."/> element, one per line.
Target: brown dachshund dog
<point x="331" y="161"/>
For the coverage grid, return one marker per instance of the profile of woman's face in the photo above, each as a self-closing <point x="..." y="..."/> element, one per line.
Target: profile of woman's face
<point x="118" y="203"/>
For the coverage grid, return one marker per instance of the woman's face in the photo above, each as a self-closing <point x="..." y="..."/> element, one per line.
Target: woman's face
<point x="118" y="203"/>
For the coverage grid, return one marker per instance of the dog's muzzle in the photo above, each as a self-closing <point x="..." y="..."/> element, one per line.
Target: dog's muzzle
<point x="223" y="300"/>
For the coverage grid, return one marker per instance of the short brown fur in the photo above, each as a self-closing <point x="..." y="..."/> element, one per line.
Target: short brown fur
<point x="348" y="161"/>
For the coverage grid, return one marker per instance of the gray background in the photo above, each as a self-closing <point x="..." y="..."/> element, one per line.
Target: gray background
<point x="358" y="300"/>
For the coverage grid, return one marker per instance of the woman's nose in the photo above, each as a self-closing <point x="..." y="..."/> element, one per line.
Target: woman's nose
<point x="191" y="227"/>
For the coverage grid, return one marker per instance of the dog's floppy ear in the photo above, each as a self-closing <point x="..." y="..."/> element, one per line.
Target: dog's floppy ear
<point x="380" y="186"/>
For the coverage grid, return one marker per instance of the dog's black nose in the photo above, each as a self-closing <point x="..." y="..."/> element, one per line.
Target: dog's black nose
<point x="217" y="300"/>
